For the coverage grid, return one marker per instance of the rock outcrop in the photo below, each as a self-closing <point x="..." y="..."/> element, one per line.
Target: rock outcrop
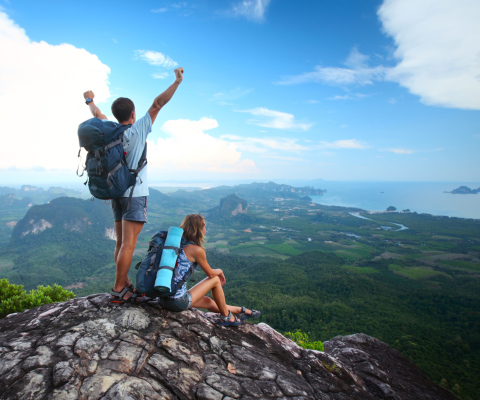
<point x="230" y="206"/>
<point x="88" y="348"/>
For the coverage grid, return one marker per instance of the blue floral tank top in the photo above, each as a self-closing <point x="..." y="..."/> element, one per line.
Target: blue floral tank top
<point x="183" y="269"/>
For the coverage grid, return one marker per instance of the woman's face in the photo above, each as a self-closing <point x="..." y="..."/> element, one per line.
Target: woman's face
<point x="204" y="230"/>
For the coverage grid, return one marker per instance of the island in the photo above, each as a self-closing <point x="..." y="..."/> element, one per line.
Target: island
<point x="464" y="190"/>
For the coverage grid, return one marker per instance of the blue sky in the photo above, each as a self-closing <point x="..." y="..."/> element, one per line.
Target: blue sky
<point x="273" y="89"/>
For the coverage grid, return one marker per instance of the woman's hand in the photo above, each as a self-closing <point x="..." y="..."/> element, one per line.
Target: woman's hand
<point x="222" y="279"/>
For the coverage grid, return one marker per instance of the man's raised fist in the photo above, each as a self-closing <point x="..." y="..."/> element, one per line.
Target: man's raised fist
<point x="179" y="75"/>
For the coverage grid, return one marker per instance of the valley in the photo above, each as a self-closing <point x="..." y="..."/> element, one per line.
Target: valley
<point x="321" y="269"/>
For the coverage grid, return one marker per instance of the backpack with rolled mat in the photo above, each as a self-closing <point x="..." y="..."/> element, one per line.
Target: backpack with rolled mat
<point x="156" y="272"/>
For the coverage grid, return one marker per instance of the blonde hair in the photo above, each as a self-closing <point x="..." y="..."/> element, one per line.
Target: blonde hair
<point x="192" y="226"/>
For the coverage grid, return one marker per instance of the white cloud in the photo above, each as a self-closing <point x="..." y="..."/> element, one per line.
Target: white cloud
<point x="155" y="58"/>
<point x="355" y="96"/>
<point x="180" y="4"/>
<point x="276" y="119"/>
<point x="357" y="72"/>
<point x="182" y="7"/>
<point x="253" y="10"/>
<point x="232" y="94"/>
<point x="188" y="147"/>
<point x="160" y="75"/>
<point x="260" y="145"/>
<point x="437" y="48"/>
<point x="41" y="98"/>
<point x="343" y="144"/>
<point x="284" y="158"/>
<point x="401" y="151"/>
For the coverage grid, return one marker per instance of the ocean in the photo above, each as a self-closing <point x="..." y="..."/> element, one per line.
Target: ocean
<point x="422" y="197"/>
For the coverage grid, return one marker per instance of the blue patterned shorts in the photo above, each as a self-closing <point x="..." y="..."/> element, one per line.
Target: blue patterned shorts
<point x="181" y="304"/>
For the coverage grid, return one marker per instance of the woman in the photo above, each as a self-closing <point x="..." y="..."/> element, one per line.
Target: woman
<point x="194" y="230"/>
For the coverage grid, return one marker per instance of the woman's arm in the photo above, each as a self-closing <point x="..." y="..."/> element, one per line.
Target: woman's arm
<point x="200" y="257"/>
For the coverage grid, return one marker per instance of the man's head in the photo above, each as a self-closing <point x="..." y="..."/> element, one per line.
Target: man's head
<point x="123" y="110"/>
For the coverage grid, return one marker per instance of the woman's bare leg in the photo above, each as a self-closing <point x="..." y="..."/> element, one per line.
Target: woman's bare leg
<point x="199" y="291"/>
<point x="210" y="305"/>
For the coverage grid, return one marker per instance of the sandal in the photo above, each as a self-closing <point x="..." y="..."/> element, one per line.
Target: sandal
<point x="225" y="321"/>
<point x="118" y="297"/>
<point x="243" y="316"/>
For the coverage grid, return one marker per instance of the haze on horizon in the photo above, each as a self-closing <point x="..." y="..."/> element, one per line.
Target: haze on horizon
<point x="368" y="90"/>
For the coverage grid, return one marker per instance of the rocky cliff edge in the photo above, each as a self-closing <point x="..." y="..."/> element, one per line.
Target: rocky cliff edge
<point x="88" y="348"/>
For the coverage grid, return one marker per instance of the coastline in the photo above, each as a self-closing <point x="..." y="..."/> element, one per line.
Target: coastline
<point x="420" y="197"/>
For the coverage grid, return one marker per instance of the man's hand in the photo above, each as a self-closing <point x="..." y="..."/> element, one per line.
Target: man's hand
<point x="179" y="75"/>
<point x="88" y="94"/>
<point x="93" y="108"/>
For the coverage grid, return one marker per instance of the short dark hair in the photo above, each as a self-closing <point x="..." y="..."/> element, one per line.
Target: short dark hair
<point x="122" y="109"/>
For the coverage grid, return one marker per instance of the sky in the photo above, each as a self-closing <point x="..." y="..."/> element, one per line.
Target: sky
<point x="345" y="90"/>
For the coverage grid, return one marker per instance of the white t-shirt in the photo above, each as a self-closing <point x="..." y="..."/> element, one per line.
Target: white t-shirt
<point x="133" y="142"/>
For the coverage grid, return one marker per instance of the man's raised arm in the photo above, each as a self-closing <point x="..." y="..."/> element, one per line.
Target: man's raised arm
<point x="93" y="108"/>
<point x="165" y="97"/>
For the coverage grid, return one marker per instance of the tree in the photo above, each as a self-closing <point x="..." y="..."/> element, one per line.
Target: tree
<point x="13" y="298"/>
<point x="391" y="208"/>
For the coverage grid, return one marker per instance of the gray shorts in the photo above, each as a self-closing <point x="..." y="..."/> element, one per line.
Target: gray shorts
<point x="137" y="211"/>
<point x="181" y="304"/>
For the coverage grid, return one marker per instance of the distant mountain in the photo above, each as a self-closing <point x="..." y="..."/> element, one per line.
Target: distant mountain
<point x="64" y="214"/>
<point x="38" y="195"/>
<point x="252" y="192"/>
<point x="230" y="207"/>
<point x="159" y="199"/>
<point x="465" y="190"/>
<point x="65" y="241"/>
<point x="10" y="202"/>
<point x="7" y="190"/>
<point x="275" y="187"/>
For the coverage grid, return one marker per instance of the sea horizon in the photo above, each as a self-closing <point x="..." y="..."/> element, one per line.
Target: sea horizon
<point x="420" y="197"/>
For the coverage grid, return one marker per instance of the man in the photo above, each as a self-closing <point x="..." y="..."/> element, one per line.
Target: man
<point x="129" y="222"/>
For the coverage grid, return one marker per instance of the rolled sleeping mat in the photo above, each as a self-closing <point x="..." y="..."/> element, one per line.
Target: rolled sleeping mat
<point x="167" y="262"/>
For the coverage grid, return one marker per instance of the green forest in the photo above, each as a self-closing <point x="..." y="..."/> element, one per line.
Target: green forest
<point x="410" y="280"/>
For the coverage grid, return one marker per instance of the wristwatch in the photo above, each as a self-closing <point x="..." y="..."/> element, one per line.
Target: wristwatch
<point x="88" y="101"/>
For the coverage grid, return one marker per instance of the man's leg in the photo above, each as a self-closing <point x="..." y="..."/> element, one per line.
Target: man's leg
<point x="130" y="231"/>
<point x="118" y="244"/>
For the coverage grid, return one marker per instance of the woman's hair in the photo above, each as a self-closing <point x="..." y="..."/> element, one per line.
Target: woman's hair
<point x="192" y="226"/>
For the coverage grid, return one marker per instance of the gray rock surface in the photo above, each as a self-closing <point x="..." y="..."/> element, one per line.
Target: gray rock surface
<point x="88" y="348"/>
